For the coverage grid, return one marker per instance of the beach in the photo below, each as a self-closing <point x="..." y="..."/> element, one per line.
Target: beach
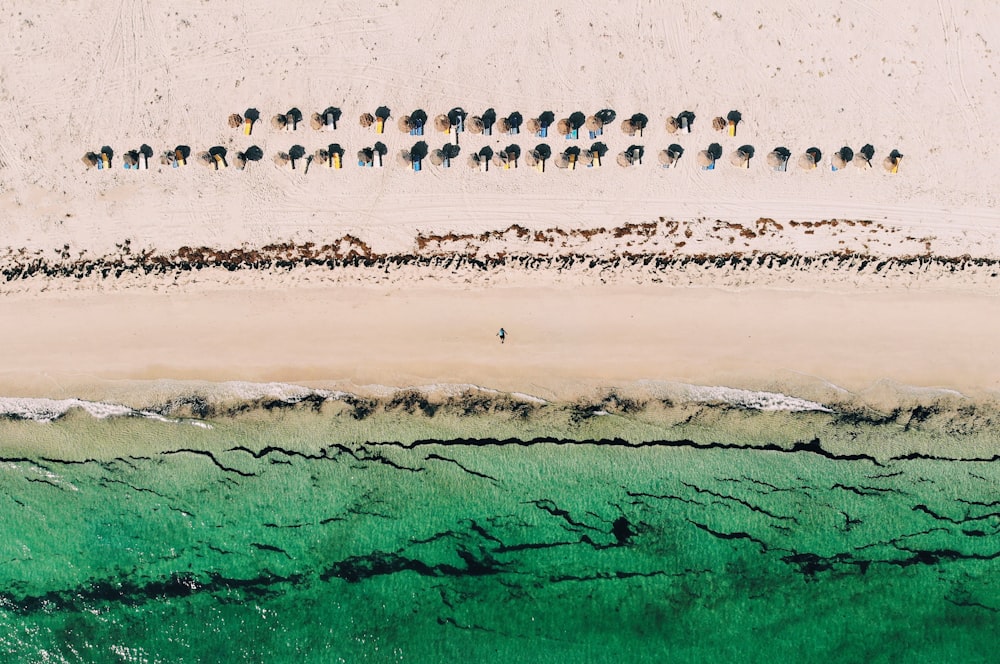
<point x="740" y="411"/>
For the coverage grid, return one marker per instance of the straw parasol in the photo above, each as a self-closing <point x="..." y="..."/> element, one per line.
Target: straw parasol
<point x="131" y="158"/>
<point x="534" y="125"/>
<point x="719" y="123"/>
<point x="624" y="159"/>
<point x="403" y="158"/>
<point x="892" y="161"/>
<point x="666" y="157"/>
<point x="585" y="158"/>
<point x="241" y="161"/>
<point x="282" y="159"/>
<point x="279" y="121"/>
<point x="166" y="158"/>
<point x="367" y="120"/>
<point x="474" y="160"/>
<point x="775" y="159"/>
<point x="405" y="124"/>
<point x="316" y="121"/>
<point x="740" y="159"/>
<point x="437" y="157"/>
<point x="322" y="155"/>
<point x="628" y="127"/>
<point x="442" y="123"/>
<point x="206" y="159"/>
<point x="499" y="159"/>
<point x="366" y="156"/>
<point x="672" y="125"/>
<point x="90" y="159"/>
<point x="564" y="127"/>
<point x="839" y="162"/>
<point x="475" y="124"/>
<point x="503" y="126"/>
<point x="594" y="123"/>
<point x="561" y="160"/>
<point x="531" y="158"/>
<point x="807" y="161"/>
<point x="705" y="158"/>
<point x="235" y="120"/>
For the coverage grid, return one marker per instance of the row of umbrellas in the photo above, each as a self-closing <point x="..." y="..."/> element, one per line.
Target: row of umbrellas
<point x="458" y="120"/>
<point x="217" y="157"/>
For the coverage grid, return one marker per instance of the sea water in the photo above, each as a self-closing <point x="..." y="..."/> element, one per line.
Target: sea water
<point x="319" y="526"/>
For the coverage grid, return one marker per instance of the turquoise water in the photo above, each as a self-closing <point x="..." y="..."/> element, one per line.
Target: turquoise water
<point x="274" y="538"/>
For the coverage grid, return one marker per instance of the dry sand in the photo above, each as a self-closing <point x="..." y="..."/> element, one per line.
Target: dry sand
<point x="919" y="77"/>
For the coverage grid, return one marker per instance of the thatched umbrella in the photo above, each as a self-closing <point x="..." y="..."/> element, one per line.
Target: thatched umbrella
<point x="131" y="158"/>
<point x="624" y="159"/>
<point x="475" y="124"/>
<point x="838" y="161"/>
<point x="405" y="124"/>
<point x="442" y="123"/>
<point x="891" y="163"/>
<point x="166" y="158"/>
<point x="594" y="123"/>
<point x="403" y="158"/>
<point x="561" y="160"/>
<point x="474" y="160"/>
<point x="366" y="156"/>
<point x="775" y="159"/>
<point x="531" y="158"/>
<point x="279" y="121"/>
<point x="322" y="155"/>
<point x="672" y="125"/>
<point x="367" y="120"/>
<point x="90" y="159"/>
<point x="316" y="121"/>
<point x="666" y="157"/>
<point x="534" y="125"/>
<point x="499" y="159"/>
<point x="807" y="161"/>
<point x="503" y="125"/>
<point x="564" y="127"/>
<point x="740" y="159"/>
<point x="207" y="160"/>
<point x="705" y="158"/>
<point x="235" y="120"/>
<point x="719" y="123"/>
<point x="241" y="160"/>
<point x="282" y="159"/>
<point x="585" y="158"/>
<point x="437" y="157"/>
<point x="628" y="127"/>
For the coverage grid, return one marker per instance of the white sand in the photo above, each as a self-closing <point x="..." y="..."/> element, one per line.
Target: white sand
<point x="919" y="77"/>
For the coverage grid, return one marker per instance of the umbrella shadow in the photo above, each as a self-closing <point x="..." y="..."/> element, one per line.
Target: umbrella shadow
<point x="747" y="150"/>
<point x="335" y="149"/>
<point x="714" y="151"/>
<point x="513" y="150"/>
<point x="815" y="153"/>
<point x="111" y="153"/>
<point x="543" y="151"/>
<point x="489" y="118"/>
<point x="600" y="148"/>
<point x="639" y="120"/>
<point x="254" y="153"/>
<point x="146" y="151"/>
<point x="675" y="150"/>
<point x="382" y="112"/>
<point x="184" y="150"/>
<point x="547" y="118"/>
<point x="418" y="117"/>
<point x="486" y="153"/>
<point x="577" y="119"/>
<point x="456" y="115"/>
<point x="868" y="150"/>
<point x="606" y="116"/>
<point x="637" y="152"/>
<point x="514" y="120"/>
<point x="335" y="112"/>
<point x="217" y="150"/>
<point x="419" y="151"/>
<point x="251" y="114"/>
<point x="296" y="152"/>
<point x="735" y="117"/>
<point x="450" y="150"/>
<point x="688" y="115"/>
<point x="294" y="116"/>
<point x="380" y="148"/>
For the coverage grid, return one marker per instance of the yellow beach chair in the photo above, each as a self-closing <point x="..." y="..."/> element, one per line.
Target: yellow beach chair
<point x="379" y="125"/>
<point x="597" y="159"/>
<point x="335" y="160"/>
<point x="572" y="162"/>
<point x="247" y="126"/>
<point x="732" y="128"/>
<point x="895" y="167"/>
<point x="107" y="162"/>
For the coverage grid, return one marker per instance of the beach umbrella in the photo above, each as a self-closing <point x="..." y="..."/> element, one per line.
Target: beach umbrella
<point x="775" y="159"/>
<point x="90" y="159"/>
<point x="279" y="121"/>
<point x="474" y="160"/>
<point x="405" y="124"/>
<point x="450" y="150"/>
<point x="666" y="157"/>
<point x="838" y="161"/>
<point x="719" y="123"/>
<point x="533" y="126"/>
<point x="594" y="123"/>
<point x="367" y="120"/>
<point x="628" y="127"/>
<point x="564" y="127"/>
<point x="403" y="158"/>
<point x="322" y="155"/>
<point x="316" y="121"/>
<point x="366" y="156"/>
<point x="892" y="161"/>
<point x="241" y="161"/>
<point x="585" y="158"/>
<point x="499" y="159"/>
<point x="740" y="159"/>
<point x="624" y="159"/>
<point x="705" y="158"/>
<point x="531" y="159"/>
<point x="672" y="125"/>
<point x="639" y="121"/>
<point x="282" y="159"/>
<point x="807" y="161"/>
<point x="131" y="158"/>
<point x="503" y="126"/>
<point x="254" y="153"/>
<point x="437" y="157"/>
<point x="475" y="124"/>
<point x="206" y="159"/>
<point x="442" y="123"/>
<point x="166" y="158"/>
<point x="562" y="160"/>
<point x="235" y="120"/>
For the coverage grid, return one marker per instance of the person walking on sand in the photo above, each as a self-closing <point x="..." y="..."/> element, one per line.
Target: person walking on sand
<point x="502" y="334"/>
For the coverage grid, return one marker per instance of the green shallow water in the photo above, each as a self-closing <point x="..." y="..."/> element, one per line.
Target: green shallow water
<point x="296" y="549"/>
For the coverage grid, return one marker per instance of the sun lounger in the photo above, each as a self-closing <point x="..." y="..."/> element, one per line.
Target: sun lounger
<point x="220" y="162"/>
<point x="416" y="166"/>
<point x="543" y="132"/>
<point x="446" y="163"/>
<point x="572" y="162"/>
<point x="143" y="162"/>
<point x="895" y="166"/>
<point x="484" y="165"/>
<point x="573" y="135"/>
<point x="506" y="165"/>
<point x="127" y="166"/>
<point x="335" y="160"/>
<point x="247" y="126"/>
<point x="378" y="160"/>
<point x="685" y="127"/>
<point x="710" y="167"/>
<point x="379" y="125"/>
<point x="732" y="128"/>
<point x="105" y="161"/>
<point x="330" y="123"/>
<point x="179" y="158"/>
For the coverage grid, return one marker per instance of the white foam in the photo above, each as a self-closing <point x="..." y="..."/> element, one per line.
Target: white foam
<point x="765" y="401"/>
<point x="44" y="410"/>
